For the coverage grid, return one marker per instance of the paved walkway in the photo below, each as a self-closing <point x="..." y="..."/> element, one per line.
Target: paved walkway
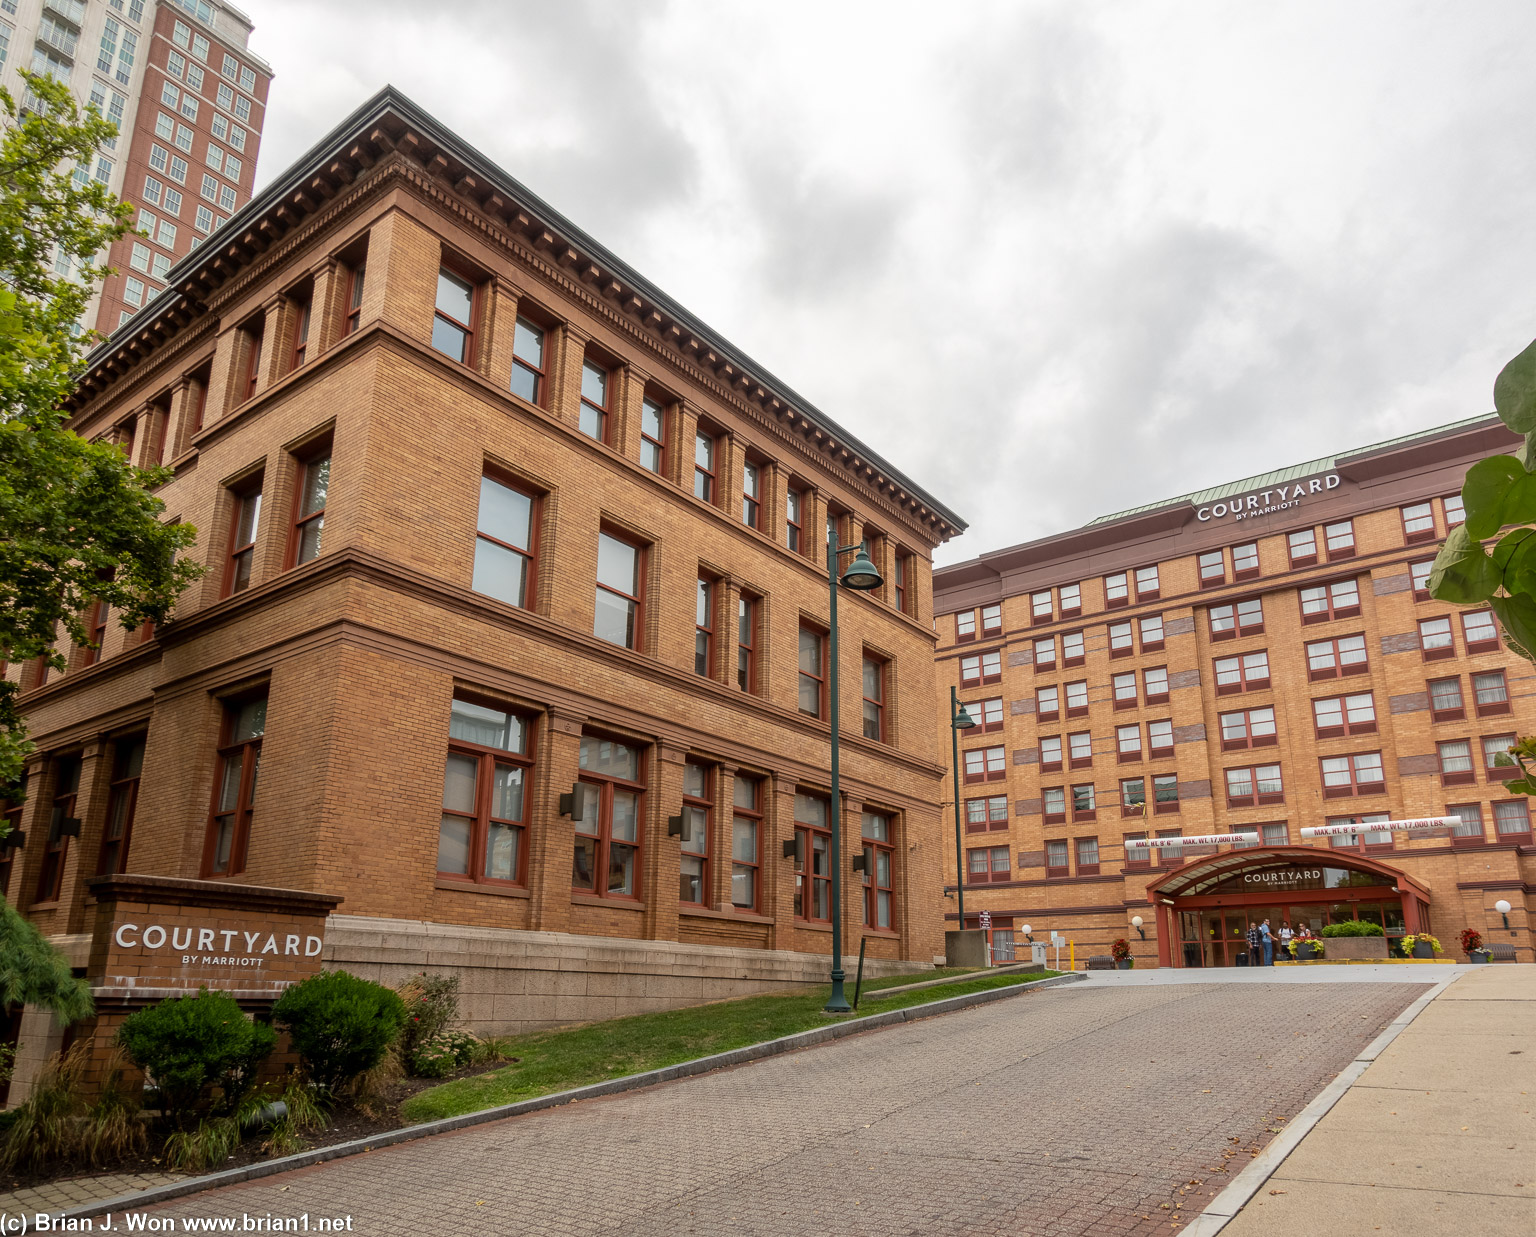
<point x="1436" y="1137"/>
<point x="1387" y="973"/>
<point x="1091" y="1110"/>
<point x="60" y="1195"/>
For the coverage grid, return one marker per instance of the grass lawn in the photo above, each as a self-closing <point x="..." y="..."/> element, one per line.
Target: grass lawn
<point x="558" y="1060"/>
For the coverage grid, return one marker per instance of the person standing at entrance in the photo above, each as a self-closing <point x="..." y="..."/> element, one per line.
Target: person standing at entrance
<point x="1285" y="936"/>
<point x="1255" y="957"/>
<point x="1268" y="943"/>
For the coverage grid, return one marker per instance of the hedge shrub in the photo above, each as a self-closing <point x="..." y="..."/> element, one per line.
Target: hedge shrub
<point x="341" y="1025"/>
<point x="1353" y="927"/>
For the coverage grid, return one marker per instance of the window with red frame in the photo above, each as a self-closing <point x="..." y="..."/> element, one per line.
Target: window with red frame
<point x="1073" y="652"/>
<point x="618" y="615"/>
<point x="1338" y="600"/>
<point x="530" y="372"/>
<point x="1155" y="681"/>
<point x="903" y="570"/>
<point x="1479" y="631"/>
<point x="481" y="837"/>
<point x="1419" y="576"/>
<point x="1137" y="857"/>
<point x="746" y="643"/>
<point x="1245" y="561"/>
<point x="1243" y="618"/>
<point x="705" y="487"/>
<point x="746" y="844"/>
<point x="986" y="863"/>
<point x="1213" y="569"/>
<point x="1128" y="743"/>
<point x="606" y="859"/>
<point x="234" y="791"/>
<point x="1123" y="687"/>
<point x="992" y="620"/>
<point x="812" y="675"/>
<point x="1512" y="821"/>
<point x="813" y="860"/>
<point x="250" y="336"/>
<point x="985" y="764"/>
<point x="504" y="542"/>
<point x="453" y="319"/>
<point x="198" y="396"/>
<point x="1087" y="856"/>
<point x="1302" y="547"/>
<point x="1455" y="762"/>
<point x="1494" y="746"/>
<point x="1084" y="806"/>
<point x="1418" y="522"/>
<point x="653" y="437"/>
<point x="1435" y="639"/>
<point x="1359" y="774"/>
<point x="983" y="668"/>
<point x="309" y="510"/>
<point x="1053" y="803"/>
<point x="1470" y="831"/>
<point x="596" y="392"/>
<point x="1165" y="793"/>
<point x="1253" y="785"/>
<point x="1339" y="715"/>
<point x="1050" y="753"/>
<point x="300" y="332"/>
<point x="1148" y="587"/>
<point x="874" y="672"/>
<point x="242" y="538"/>
<point x="356" y="278"/>
<point x="1120" y="642"/>
<point x="1159" y="738"/>
<point x="1368" y="839"/>
<point x="1455" y="511"/>
<point x="965" y="626"/>
<point x="1077" y="698"/>
<point x="987" y="714"/>
<point x="1445" y="701"/>
<point x="752" y="495"/>
<point x="1133" y="797"/>
<point x="1331" y="659"/>
<point x="794" y="520"/>
<point x="1248" y="728"/>
<point x="1056" y="859"/>
<point x="1070" y="600"/>
<point x="1243" y="672"/>
<point x="1151" y="633"/>
<point x="1040" y="607"/>
<point x="1169" y="856"/>
<point x="879" y="872"/>
<point x="1491" y="692"/>
<point x="704" y="627"/>
<point x="1339" y="539"/>
<point x="1047" y="704"/>
<point x="698" y="809"/>
<point x="1116" y="590"/>
<point x="982" y="815"/>
<point x="1080" y="749"/>
<point x="122" y="799"/>
<point x="1045" y="653"/>
<point x="66" y="793"/>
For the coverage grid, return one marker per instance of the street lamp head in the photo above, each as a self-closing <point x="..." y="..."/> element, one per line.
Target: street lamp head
<point x="963" y="720"/>
<point x="862" y="574"/>
<point x="1136" y="921"/>
<point x="1501" y="906"/>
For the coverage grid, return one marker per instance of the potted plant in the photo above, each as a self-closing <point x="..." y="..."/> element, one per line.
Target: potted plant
<point x="1472" y="946"/>
<point x="1420" y="945"/>
<point x="1305" y="947"/>
<point x="1121" y="952"/>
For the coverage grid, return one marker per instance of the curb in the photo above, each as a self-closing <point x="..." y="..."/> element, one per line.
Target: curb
<point x="616" y="1086"/>
<point x="1232" y="1199"/>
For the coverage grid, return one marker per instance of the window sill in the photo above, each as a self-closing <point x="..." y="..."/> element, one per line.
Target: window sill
<point x="51" y="905"/>
<point x="887" y="934"/>
<point x="496" y="891"/>
<point x="618" y="904"/>
<point x="704" y="912"/>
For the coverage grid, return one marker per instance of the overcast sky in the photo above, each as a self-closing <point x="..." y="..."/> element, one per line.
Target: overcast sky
<point x="1050" y="259"/>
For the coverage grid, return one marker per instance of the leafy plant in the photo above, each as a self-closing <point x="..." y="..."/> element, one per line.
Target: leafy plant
<point x="1297" y="941"/>
<point x="1354" y="927"/>
<point x="33" y="972"/>
<point x="431" y="1007"/>
<point x="1471" y="940"/>
<point x="57" y="1125"/>
<point x="200" y="1052"/>
<point x="1120" y="950"/>
<point x="437" y="1058"/>
<point x="342" y="1025"/>
<point x="1412" y="939"/>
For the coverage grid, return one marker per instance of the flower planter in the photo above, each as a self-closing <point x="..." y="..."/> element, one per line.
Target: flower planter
<point x="1124" y="964"/>
<point x="1356" y="948"/>
<point x="1422" y="949"/>
<point x="1480" y="956"/>
<point x="1305" y="950"/>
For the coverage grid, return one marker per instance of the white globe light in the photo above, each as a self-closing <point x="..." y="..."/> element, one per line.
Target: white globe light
<point x="1135" y="921"/>
<point x="1024" y="928"/>
<point x="1501" y="906"/>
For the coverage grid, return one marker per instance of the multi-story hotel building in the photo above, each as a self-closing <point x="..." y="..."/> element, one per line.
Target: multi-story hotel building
<point x="516" y="599"/>
<point x="1254" y="659"/>
<point x="189" y="99"/>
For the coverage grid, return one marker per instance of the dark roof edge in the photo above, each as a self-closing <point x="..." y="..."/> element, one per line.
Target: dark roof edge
<point x="390" y="99"/>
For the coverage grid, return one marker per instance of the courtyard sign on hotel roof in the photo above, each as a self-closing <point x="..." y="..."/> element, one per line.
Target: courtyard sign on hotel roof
<point x="1266" y="502"/>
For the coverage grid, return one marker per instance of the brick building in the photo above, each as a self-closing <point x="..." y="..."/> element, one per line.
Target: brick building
<point x="189" y="99"/>
<point x="1254" y="659"/>
<point x="517" y="600"/>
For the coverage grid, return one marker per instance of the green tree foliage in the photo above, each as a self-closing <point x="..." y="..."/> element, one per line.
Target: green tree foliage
<point x="33" y="972"/>
<point x="341" y="1024"/>
<point x="1500" y="491"/>
<point x="77" y="521"/>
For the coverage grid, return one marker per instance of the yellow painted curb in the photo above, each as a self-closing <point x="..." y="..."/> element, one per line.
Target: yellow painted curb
<point x="1368" y="962"/>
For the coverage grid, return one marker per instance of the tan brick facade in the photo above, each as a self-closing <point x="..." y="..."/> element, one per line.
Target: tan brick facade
<point x="360" y="653"/>
<point x="1369" y="499"/>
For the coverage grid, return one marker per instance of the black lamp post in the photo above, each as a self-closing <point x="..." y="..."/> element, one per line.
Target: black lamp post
<point x="959" y="720"/>
<point x="861" y="576"/>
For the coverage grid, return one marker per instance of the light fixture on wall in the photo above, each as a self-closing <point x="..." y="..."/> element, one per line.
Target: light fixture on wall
<point x="1503" y="908"/>
<point x="1136" y="922"/>
<point x="1025" y="929"/>
<point x="574" y="804"/>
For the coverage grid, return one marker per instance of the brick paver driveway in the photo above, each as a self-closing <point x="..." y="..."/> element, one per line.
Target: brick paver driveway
<point x="1079" y="1110"/>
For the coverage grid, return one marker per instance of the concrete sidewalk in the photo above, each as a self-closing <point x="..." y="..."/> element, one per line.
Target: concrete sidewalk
<point x="1436" y="1136"/>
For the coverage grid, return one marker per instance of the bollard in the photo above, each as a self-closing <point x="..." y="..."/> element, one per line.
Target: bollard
<point x="1072" y="955"/>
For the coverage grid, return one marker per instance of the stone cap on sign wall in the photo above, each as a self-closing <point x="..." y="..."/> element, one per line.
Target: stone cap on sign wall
<point x="132" y="887"/>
